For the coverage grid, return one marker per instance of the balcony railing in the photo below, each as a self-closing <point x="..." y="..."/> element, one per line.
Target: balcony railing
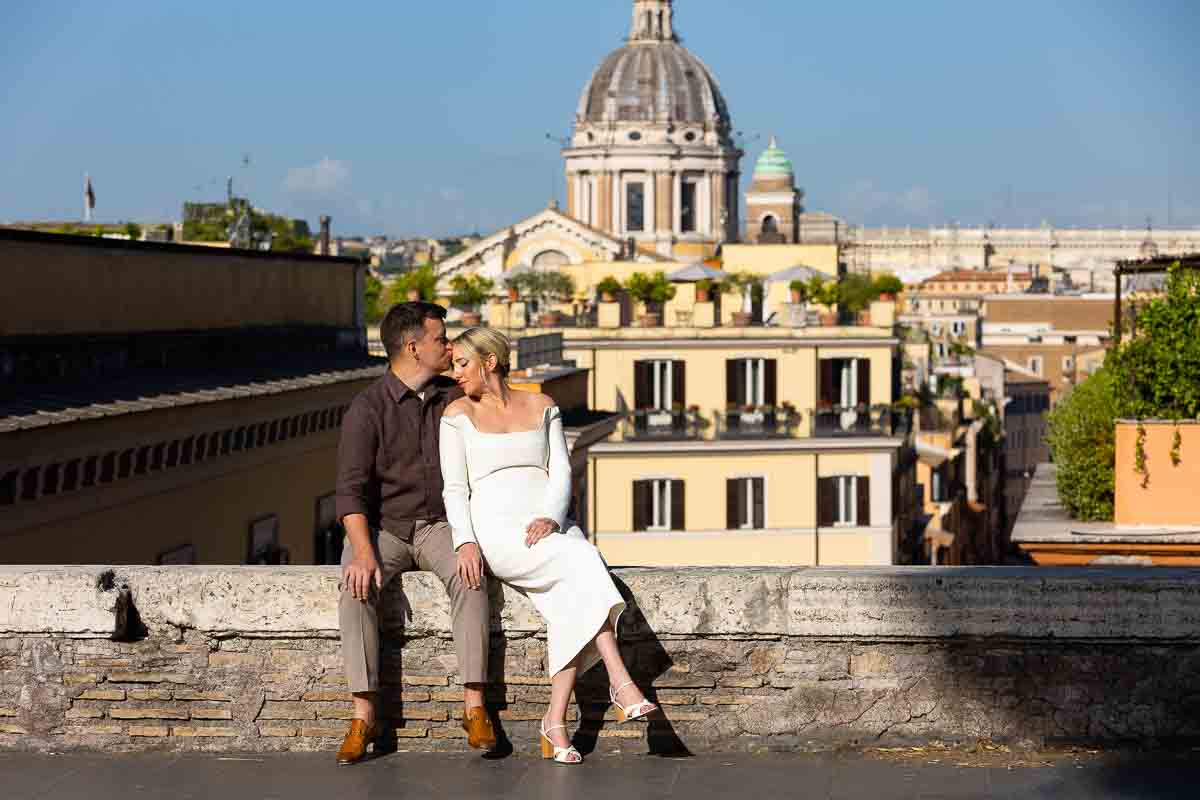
<point x="757" y="423"/>
<point x="861" y="421"/>
<point x="663" y="425"/>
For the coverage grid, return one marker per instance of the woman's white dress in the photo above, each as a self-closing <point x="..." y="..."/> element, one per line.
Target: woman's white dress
<point x="495" y="484"/>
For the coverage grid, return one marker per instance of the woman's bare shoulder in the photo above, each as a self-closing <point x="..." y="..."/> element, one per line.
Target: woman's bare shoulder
<point x="462" y="407"/>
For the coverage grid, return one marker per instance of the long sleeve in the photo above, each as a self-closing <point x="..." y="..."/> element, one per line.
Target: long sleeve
<point x="557" y="500"/>
<point x="355" y="460"/>
<point x="456" y="487"/>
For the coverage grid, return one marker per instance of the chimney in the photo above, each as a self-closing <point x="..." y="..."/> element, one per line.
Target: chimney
<point x="324" y="240"/>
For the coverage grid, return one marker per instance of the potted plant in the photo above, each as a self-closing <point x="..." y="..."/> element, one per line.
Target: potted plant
<point x="827" y="295"/>
<point x="799" y="290"/>
<point x="704" y="289"/>
<point x="512" y="286"/>
<point x="469" y="293"/>
<point x="652" y="291"/>
<point x="608" y="288"/>
<point x="745" y="285"/>
<point x="413" y="286"/>
<point x="887" y="287"/>
<point x="546" y="288"/>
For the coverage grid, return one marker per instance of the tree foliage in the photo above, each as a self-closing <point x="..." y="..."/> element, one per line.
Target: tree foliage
<point x="1081" y="435"/>
<point x="1158" y="370"/>
<point x="422" y="280"/>
<point x="372" y="294"/>
<point x="653" y="288"/>
<point x="470" y="291"/>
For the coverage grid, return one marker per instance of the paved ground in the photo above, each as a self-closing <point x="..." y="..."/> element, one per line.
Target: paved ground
<point x="877" y="776"/>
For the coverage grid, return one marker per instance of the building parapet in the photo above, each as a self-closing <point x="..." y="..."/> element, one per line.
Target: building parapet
<point x="247" y="659"/>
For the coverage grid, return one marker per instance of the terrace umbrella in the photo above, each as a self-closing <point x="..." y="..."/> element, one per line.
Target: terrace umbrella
<point x="697" y="272"/>
<point x="797" y="273"/>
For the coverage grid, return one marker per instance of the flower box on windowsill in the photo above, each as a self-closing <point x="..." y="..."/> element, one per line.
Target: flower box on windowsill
<point x="660" y="418"/>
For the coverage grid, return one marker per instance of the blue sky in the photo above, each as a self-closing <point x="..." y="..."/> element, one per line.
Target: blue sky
<point x="405" y="117"/>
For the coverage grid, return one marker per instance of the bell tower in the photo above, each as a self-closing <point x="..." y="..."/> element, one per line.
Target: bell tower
<point x="652" y="21"/>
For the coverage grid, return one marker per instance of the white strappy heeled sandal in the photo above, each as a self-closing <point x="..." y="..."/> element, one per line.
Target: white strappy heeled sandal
<point x="561" y="755"/>
<point x="638" y="710"/>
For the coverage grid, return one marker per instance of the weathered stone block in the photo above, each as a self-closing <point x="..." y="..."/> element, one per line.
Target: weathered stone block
<point x="322" y="732"/>
<point x="80" y="678"/>
<point x="146" y="677"/>
<point x="277" y="731"/>
<point x="426" y="680"/>
<point x="148" y="730"/>
<point x="273" y="710"/>
<point x="216" y="697"/>
<point x="211" y="713"/>
<point x="84" y="712"/>
<point x="204" y="733"/>
<point x="119" y="712"/>
<point x="106" y="694"/>
<point x="241" y="660"/>
<point x="411" y="733"/>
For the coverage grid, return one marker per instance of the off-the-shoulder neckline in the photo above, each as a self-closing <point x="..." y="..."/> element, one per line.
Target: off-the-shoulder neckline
<point x="471" y="422"/>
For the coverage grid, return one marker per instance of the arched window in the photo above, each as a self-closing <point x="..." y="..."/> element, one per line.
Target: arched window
<point x="769" y="225"/>
<point x="549" y="259"/>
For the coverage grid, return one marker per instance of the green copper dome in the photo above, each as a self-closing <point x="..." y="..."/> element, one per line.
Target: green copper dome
<point x="773" y="161"/>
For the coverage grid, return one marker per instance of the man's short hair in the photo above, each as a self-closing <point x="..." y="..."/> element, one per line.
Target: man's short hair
<point x="405" y="322"/>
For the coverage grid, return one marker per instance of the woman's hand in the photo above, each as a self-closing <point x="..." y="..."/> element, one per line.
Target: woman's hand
<point x="539" y="529"/>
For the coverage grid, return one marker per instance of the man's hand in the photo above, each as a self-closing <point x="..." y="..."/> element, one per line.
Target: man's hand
<point x="359" y="574"/>
<point x="470" y="565"/>
<point x="539" y="529"/>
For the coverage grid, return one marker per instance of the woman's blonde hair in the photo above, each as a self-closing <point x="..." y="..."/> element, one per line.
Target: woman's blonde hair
<point x="483" y="342"/>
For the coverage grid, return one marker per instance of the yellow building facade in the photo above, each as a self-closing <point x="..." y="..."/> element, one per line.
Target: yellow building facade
<point x="162" y="403"/>
<point x="744" y="446"/>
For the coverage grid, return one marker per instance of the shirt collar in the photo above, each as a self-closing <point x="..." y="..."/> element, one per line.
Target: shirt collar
<point x="398" y="389"/>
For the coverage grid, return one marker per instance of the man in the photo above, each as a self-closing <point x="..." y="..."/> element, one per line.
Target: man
<point x="389" y="499"/>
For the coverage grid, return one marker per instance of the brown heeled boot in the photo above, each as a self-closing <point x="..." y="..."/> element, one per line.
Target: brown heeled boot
<point x="478" y="726"/>
<point x="354" y="746"/>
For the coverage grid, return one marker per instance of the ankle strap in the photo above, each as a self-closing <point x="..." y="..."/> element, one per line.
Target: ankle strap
<point x="552" y="728"/>
<point x="622" y="686"/>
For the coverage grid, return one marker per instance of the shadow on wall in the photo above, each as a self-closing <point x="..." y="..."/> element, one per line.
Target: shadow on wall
<point x="518" y="690"/>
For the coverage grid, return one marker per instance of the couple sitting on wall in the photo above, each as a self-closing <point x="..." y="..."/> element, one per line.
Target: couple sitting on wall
<point x="465" y="477"/>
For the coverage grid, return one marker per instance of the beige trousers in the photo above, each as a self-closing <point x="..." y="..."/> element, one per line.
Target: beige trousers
<point x="432" y="550"/>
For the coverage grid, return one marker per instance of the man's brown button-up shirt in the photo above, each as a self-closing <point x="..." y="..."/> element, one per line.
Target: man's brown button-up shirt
<point x="389" y="466"/>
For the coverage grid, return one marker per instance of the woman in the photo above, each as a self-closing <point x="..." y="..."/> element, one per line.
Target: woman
<point x="507" y="480"/>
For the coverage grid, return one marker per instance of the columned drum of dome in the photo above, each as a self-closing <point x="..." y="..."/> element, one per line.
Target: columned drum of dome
<point x="652" y="157"/>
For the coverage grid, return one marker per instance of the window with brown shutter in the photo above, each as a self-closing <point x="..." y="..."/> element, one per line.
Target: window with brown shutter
<point x="745" y="506"/>
<point x="677" y="522"/>
<point x="641" y="505"/>
<point x="863" y="484"/>
<point x="864" y="381"/>
<point x="679" y="382"/>
<point x="828" y="389"/>
<point x="642" y="387"/>
<point x="734" y="496"/>
<point x="826" y="501"/>
<point x="760" y="504"/>
<point x="770" y="381"/>
<point x="735" y="381"/>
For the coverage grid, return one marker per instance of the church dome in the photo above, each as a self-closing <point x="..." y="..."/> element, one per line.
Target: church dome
<point x="653" y="78"/>
<point x="773" y="163"/>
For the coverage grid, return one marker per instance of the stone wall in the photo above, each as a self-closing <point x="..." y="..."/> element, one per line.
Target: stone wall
<point x="247" y="659"/>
